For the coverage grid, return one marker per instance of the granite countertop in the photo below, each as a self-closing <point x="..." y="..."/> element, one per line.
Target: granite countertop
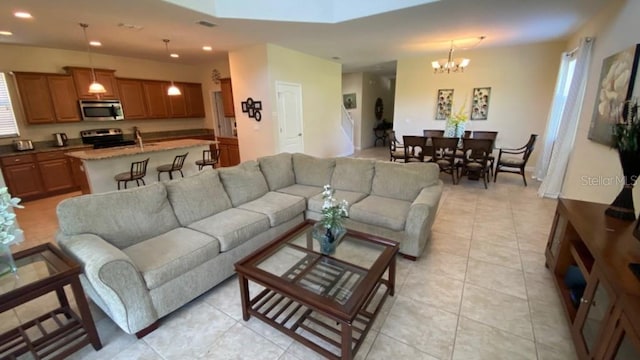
<point x="98" y="154"/>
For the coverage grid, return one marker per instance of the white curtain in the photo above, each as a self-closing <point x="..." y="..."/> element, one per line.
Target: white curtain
<point x="567" y="126"/>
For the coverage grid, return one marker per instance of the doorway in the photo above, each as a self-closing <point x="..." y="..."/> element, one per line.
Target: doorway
<point x="225" y="125"/>
<point x="289" y="97"/>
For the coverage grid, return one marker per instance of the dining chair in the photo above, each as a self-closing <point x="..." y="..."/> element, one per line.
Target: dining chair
<point x="475" y="160"/>
<point x="176" y="165"/>
<point x="414" y="148"/>
<point x="137" y="173"/>
<point x="208" y="159"/>
<point x="432" y="133"/>
<point x="515" y="164"/>
<point x="443" y="154"/>
<point x="488" y="135"/>
<point x="396" y="148"/>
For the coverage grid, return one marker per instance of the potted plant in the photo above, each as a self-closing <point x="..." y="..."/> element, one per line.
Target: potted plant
<point x="9" y="232"/>
<point x="626" y="139"/>
<point x="329" y="230"/>
<point x="456" y="123"/>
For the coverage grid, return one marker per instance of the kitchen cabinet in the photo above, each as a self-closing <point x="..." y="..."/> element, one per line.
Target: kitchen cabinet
<point x="176" y="104"/>
<point x="588" y="253"/>
<point x="22" y="176"/>
<point x="36" y="98"/>
<point x="64" y="99"/>
<point x="55" y="170"/>
<point x="229" y="151"/>
<point x="227" y="97"/>
<point x="154" y="96"/>
<point x="132" y="98"/>
<point x="82" y="78"/>
<point x="194" y="100"/>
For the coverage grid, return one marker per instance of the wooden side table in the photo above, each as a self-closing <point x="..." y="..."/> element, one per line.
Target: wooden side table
<point x="60" y="332"/>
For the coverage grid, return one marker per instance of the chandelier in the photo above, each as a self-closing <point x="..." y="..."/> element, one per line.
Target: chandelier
<point x="451" y="64"/>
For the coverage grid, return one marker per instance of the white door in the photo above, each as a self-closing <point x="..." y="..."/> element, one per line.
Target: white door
<point x="290" y="117"/>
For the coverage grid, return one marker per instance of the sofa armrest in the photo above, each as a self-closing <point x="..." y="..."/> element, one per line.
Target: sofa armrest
<point x="114" y="278"/>
<point x="421" y="216"/>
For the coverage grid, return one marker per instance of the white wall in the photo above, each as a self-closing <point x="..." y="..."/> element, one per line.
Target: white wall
<point x="352" y="84"/>
<point x="593" y="167"/>
<point x="373" y="87"/>
<point x="24" y="58"/>
<point x="522" y="79"/>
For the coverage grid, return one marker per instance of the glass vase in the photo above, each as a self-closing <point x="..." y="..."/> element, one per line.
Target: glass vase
<point x="328" y="238"/>
<point x="7" y="265"/>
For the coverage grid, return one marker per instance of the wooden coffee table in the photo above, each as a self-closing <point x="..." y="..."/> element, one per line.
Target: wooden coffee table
<point x="327" y="303"/>
<point x="57" y="333"/>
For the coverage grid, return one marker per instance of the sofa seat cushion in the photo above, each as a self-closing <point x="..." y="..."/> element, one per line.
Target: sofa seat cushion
<point x="244" y="182"/>
<point x="279" y="207"/>
<point x="277" y="170"/>
<point x="167" y="256"/>
<point x="380" y="211"/>
<point x="232" y="227"/>
<point x="315" y="203"/>
<point x="306" y="191"/>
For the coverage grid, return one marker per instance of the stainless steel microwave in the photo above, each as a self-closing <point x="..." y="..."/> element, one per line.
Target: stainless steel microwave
<point x="101" y="110"/>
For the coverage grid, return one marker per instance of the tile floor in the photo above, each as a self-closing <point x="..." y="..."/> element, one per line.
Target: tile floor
<point x="480" y="291"/>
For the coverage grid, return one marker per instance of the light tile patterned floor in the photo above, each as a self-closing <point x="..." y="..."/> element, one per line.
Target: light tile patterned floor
<point x="480" y="291"/>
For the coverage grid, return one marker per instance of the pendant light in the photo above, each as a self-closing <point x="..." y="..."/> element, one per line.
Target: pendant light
<point x="95" y="87"/>
<point x="173" y="89"/>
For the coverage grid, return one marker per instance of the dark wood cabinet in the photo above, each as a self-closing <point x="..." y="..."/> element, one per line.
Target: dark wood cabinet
<point x="83" y="77"/>
<point x="229" y="151"/>
<point x="154" y="96"/>
<point x="588" y="254"/>
<point x="194" y="100"/>
<point x="227" y="97"/>
<point x="132" y="98"/>
<point x="22" y="176"/>
<point x="36" y="98"/>
<point x="64" y="99"/>
<point x="55" y="170"/>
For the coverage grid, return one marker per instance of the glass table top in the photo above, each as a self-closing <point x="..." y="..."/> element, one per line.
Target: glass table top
<point x="31" y="269"/>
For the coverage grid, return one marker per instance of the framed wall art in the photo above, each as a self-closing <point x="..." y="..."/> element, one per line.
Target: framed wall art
<point x="349" y="100"/>
<point x="617" y="78"/>
<point x="443" y="106"/>
<point x="480" y="103"/>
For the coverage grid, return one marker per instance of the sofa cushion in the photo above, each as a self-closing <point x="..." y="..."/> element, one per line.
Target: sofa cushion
<point x="384" y="212"/>
<point x="232" y="227"/>
<point x="198" y="196"/>
<point x="277" y="170"/>
<point x="122" y="218"/>
<point x="169" y="255"/>
<point x="306" y="191"/>
<point x="403" y="181"/>
<point x="244" y="182"/>
<point x="278" y="207"/>
<point x="315" y="203"/>
<point x="312" y="171"/>
<point x="353" y="175"/>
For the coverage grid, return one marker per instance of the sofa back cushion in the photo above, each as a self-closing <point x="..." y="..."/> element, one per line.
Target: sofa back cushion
<point x="244" y="182"/>
<point x="312" y="171"/>
<point x="277" y="170"/>
<point x="353" y="175"/>
<point x="122" y="218"/>
<point x="403" y="181"/>
<point x="198" y="196"/>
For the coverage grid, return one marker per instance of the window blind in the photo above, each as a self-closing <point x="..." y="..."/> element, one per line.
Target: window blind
<point x="8" y="125"/>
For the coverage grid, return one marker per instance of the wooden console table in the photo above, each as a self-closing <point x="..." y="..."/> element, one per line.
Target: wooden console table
<point x="585" y="245"/>
<point x="57" y="333"/>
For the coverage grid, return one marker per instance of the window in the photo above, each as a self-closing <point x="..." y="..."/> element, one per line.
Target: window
<point x="8" y="125"/>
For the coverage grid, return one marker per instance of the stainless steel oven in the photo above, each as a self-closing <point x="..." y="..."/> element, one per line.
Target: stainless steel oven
<point x="101" y="110"/>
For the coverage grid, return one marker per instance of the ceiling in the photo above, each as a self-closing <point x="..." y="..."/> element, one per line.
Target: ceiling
<point x="370" y="43"/>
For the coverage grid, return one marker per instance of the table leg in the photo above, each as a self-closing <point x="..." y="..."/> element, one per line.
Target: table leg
<point x="62" y="300"/>
<point x="346" y="340"/>
<point x="392" y="276"/>
<point x="85" y="313"/>
<point x="244" y="296"/>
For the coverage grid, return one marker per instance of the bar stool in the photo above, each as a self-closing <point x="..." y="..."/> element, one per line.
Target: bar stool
<point x="137" y="173"/>
<point x="178" y="161"/>
<point x="208" y="160"/>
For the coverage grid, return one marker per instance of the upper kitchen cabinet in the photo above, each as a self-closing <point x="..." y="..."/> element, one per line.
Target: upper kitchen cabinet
<point x="48" y="98"/>
<point x="154" y="96"/>
<point x="194" y="100"/>
<point x="132" y="98"/>
<point x="227" y="97"/>
<point x="83" y="78"/>
<point x="177" y="105"/>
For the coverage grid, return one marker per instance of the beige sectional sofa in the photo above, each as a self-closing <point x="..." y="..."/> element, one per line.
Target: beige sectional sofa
<point x="149" y="250"/>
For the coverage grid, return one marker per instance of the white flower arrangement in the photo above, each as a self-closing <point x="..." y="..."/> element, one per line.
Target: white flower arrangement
<point x="333" y="212"/>
<point x="9" y="233"/>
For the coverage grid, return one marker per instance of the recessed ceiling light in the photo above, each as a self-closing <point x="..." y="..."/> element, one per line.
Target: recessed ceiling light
<point x="22" y="15"/>
<point x="95" y="43"/>
<point x="6" y="33"/>
<point x="207" y="48"/>
<point x="174" y="55"/>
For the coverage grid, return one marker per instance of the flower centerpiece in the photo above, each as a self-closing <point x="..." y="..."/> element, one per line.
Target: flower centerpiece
<point x="456" y="123"/>
<point x="329" y="229"/>
<point x="9" y="232"/>
<point x="626" y="139"/>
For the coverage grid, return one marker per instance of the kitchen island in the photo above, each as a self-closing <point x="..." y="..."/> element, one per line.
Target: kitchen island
<point x="94" y="169"/>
